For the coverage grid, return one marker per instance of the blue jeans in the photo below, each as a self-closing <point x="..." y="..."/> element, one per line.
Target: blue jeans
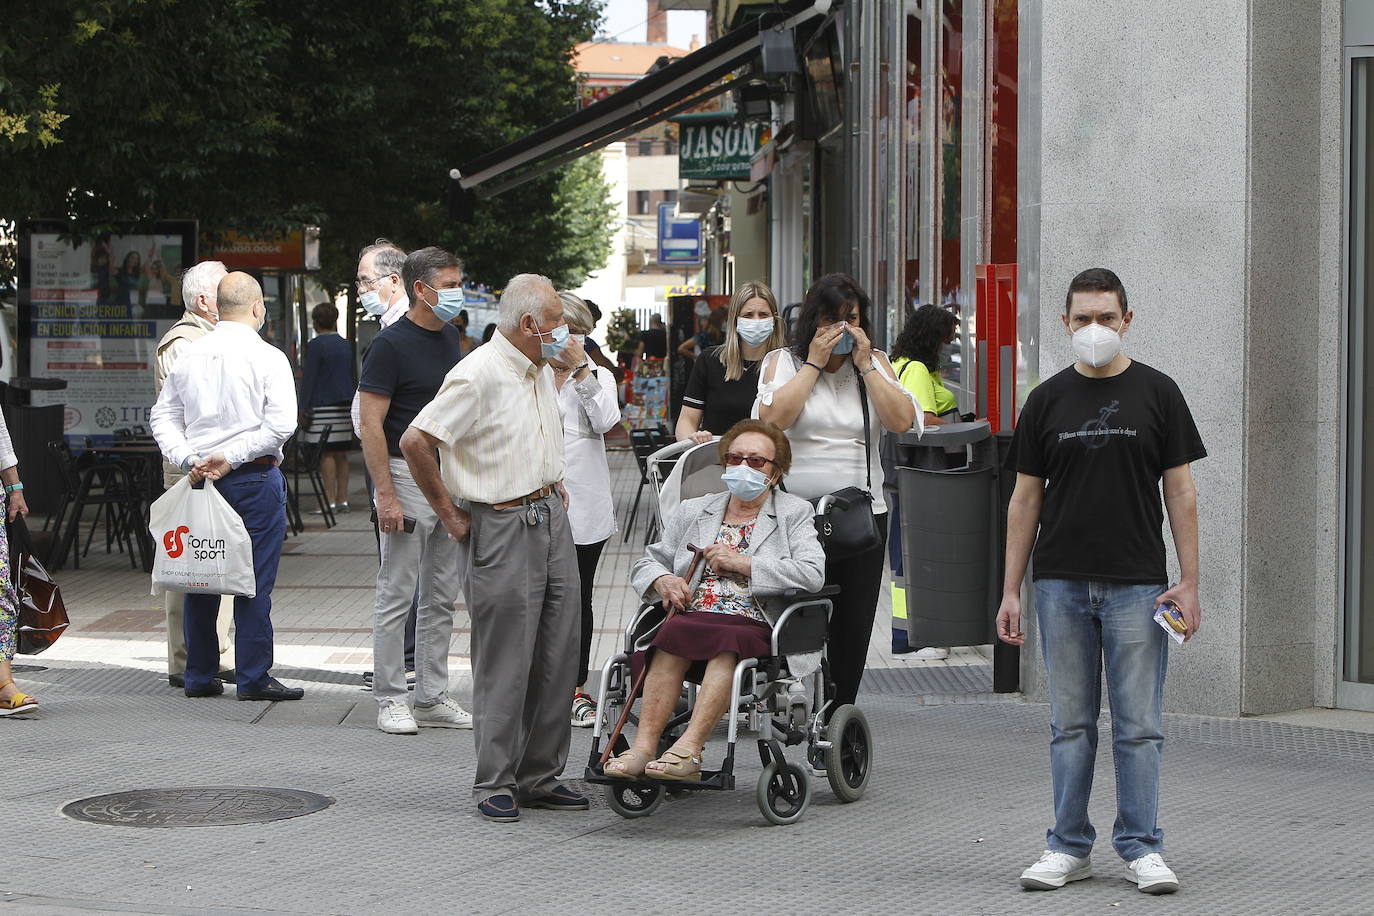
<point x="1082" y="625"/>
<point x="258" y="494"/>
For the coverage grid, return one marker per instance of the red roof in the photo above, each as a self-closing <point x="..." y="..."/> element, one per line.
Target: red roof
<point x="622" y="60"/>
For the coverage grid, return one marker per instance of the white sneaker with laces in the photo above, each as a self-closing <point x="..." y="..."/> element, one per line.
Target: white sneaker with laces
<point x="395" y="719"/>
<point x="1151" y="875"/>
<point x="1053" y="870"/>
<point x="444" y="714"/>
<point x="932" y="654"/>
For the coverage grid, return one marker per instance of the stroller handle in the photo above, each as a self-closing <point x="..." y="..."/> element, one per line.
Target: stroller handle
<point x="674" y="449"/>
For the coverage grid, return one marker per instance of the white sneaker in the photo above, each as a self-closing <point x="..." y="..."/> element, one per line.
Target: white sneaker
<point x="932" y="654"/>
<point x="1151" y="875"/>
<point x="444" y="714"/>
<point x="395" y="719"/>
<point x="1054" y="870"/>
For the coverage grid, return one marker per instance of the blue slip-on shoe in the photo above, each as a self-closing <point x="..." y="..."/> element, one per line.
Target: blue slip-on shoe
<point x="499" y="808"/>
<point x="561" y="799"/>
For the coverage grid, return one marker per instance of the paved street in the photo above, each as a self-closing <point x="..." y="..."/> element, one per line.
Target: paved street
<point x="1260" y="816"/>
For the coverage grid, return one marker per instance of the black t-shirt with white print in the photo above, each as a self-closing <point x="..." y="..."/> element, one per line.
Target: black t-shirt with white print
<point x="1102" y="445"/>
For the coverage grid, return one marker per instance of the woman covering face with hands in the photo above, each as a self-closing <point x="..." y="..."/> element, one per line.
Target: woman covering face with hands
<point x="818" y="390"/>
<point x="724" y="381"/>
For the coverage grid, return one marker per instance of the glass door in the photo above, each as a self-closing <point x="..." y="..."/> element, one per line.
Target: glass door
<point x="1355" y="688"/>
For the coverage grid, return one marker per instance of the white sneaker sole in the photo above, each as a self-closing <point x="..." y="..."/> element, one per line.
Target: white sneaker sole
<point x="397" y="730"/>
<point x="1033" y="883"/>
<point x="423" y="723"/>
<point x="1156" y="887"/>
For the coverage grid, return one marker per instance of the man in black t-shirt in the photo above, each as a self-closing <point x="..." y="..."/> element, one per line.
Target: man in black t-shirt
<point x="1090" y="449"/>
<point x="653" y="342"/>
<point x="402" y="372"/>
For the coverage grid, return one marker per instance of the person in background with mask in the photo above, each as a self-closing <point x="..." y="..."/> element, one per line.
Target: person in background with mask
<point x="403" y="370"/>
<point x="587" y="400"/>
<point x="721" y="389"/>
<point x="382" y="295"/>
<point x="1091" y="447"/>
<point x="225" y="411"/>
<point x="760" y="541"/>
<point x="199" y="289"/>
<point x="499" y="491"/>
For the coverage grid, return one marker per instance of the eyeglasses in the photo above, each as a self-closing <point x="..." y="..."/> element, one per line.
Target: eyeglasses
<point x="753" y="461"/>
<point x="370" y="281"/>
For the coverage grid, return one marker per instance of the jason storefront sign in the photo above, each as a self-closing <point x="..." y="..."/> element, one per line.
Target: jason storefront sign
<point x="716" y="146"/>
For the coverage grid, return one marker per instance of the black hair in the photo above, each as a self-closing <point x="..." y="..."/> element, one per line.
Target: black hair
<point x="1096" y="280"/>
<point x="826" y="300"/>
<point x="490" y="330"/>
<point x="594" y="309"/>
<point x="925" y="332"/>
<point x="325" y="316"/>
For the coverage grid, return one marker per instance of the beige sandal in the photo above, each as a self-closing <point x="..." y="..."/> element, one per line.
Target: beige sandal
<point x="629" y="765"/>
<point x="675" y="766"/>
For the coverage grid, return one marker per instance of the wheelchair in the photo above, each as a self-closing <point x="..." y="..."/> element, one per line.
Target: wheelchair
<point x="783" y="708"/>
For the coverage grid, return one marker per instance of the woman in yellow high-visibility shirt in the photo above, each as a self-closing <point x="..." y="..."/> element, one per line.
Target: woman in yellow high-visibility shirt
<point x="916" y="360"/>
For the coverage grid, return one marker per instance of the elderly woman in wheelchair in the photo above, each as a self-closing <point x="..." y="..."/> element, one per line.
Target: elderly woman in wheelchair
<point x="757" y="543"/>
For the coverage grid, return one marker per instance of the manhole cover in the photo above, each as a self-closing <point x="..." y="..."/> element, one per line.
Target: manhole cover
<point x="196" y="806"/>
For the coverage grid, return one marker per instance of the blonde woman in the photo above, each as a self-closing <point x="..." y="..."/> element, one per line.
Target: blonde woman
<point x="725" y="380"/>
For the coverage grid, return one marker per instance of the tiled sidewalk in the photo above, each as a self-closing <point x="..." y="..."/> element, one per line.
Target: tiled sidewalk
<point x="322" y="604"/>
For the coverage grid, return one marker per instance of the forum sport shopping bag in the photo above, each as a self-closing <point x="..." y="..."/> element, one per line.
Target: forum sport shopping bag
<point x="201" y="543"/>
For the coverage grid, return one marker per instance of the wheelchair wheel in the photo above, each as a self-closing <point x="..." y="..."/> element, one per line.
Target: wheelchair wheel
<point x="634" y="801"/>
<point x="848" y="760"/>
<point x="782" y="800"/>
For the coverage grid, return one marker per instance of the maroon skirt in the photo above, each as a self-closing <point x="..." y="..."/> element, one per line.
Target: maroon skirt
<point x="702" y="635"/>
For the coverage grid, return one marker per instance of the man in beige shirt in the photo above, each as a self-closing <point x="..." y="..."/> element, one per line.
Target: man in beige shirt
<point x="199" y="292"/>
<point x="487" y="453"/>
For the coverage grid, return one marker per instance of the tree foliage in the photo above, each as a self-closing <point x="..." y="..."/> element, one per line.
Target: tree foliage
<point x="256" y="115"/>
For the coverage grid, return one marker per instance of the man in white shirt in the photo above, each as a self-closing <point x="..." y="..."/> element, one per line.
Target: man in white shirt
<point x="224" y="413"/>
<point x="198" y="291"/>
<point x="497" y="425"/>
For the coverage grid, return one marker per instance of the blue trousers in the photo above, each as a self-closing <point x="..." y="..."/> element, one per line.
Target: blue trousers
<point x="1086" y="629"/>
<point x="258" y="494"/>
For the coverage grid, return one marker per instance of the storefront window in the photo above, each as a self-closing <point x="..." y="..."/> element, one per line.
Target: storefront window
<point x="951" y="162"/>
<point x="914" y="52"/>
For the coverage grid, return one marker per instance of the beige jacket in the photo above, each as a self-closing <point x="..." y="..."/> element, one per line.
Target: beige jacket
<point x="191" y="327"/>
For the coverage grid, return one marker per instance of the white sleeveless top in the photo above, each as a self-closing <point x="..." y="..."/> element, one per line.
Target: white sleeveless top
<point x="827" y="438"/>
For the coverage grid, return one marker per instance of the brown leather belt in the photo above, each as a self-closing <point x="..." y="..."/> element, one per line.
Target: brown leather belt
<point x="541" y="493"/>
<point x="265" y="459"/>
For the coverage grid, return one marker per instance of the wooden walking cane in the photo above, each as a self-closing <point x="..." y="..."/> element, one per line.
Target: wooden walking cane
<point x="638" y="685"/>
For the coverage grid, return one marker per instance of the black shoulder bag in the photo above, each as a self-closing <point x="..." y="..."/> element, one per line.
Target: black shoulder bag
<point x="844" y="519"/>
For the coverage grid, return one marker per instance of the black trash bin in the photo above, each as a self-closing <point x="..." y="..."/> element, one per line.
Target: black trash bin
<point x="946" y="485"/>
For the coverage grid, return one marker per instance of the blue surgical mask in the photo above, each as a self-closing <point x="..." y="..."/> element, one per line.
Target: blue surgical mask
<point x="755" y="331"/>
<point x="372" y="302"/>
<point x="449" y="305"/>
<point x="560" y="340"/>
<point x="744" y="482"/>
<point x="844" y="345"/>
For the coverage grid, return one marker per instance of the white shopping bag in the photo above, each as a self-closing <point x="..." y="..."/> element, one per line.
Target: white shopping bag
<point x="201" y="543"/>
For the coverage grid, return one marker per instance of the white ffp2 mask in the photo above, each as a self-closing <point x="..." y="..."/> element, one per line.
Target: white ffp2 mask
<point x="1096" y="345"/>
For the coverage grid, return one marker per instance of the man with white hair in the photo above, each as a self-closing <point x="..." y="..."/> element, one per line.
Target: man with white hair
<point x="199" y="286"/>
<point x="224" y="413"/>
<point x="492" y="438"/>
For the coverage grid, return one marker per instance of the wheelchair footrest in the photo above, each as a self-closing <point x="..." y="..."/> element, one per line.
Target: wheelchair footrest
<point x="710" y="779"/>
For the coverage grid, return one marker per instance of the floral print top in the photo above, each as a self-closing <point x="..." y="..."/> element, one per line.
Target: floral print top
<point x="728" y="593"/>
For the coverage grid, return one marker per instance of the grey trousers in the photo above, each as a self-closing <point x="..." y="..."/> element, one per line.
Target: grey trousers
<point x="428" y="557"/>
<point x="524" y="597"/>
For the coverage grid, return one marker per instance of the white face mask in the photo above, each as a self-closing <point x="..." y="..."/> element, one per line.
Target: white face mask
<point x="1096" y="345"/>
<point x="754" y="331"/>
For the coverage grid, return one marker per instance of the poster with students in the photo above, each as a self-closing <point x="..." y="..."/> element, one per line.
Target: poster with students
<point x="91" y="313"/>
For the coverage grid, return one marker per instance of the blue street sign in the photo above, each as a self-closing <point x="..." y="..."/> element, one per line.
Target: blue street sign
<point x="679" y="237"/>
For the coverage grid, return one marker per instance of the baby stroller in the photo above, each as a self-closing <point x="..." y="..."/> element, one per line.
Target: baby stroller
<point x="781" y="695"/>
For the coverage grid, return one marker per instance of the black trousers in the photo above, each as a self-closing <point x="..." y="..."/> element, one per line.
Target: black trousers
<point x="860" y="578"/>
<point x="588" y="555"/>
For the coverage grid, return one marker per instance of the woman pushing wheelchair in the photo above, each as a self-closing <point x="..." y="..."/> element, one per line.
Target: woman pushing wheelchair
<point x="756" y="542"/>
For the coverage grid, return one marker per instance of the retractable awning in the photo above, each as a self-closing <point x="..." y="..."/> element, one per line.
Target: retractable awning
<point x="678" y="87"/>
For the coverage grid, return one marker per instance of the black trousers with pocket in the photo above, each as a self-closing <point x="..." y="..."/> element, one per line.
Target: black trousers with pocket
<point x="860" y="578"/>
